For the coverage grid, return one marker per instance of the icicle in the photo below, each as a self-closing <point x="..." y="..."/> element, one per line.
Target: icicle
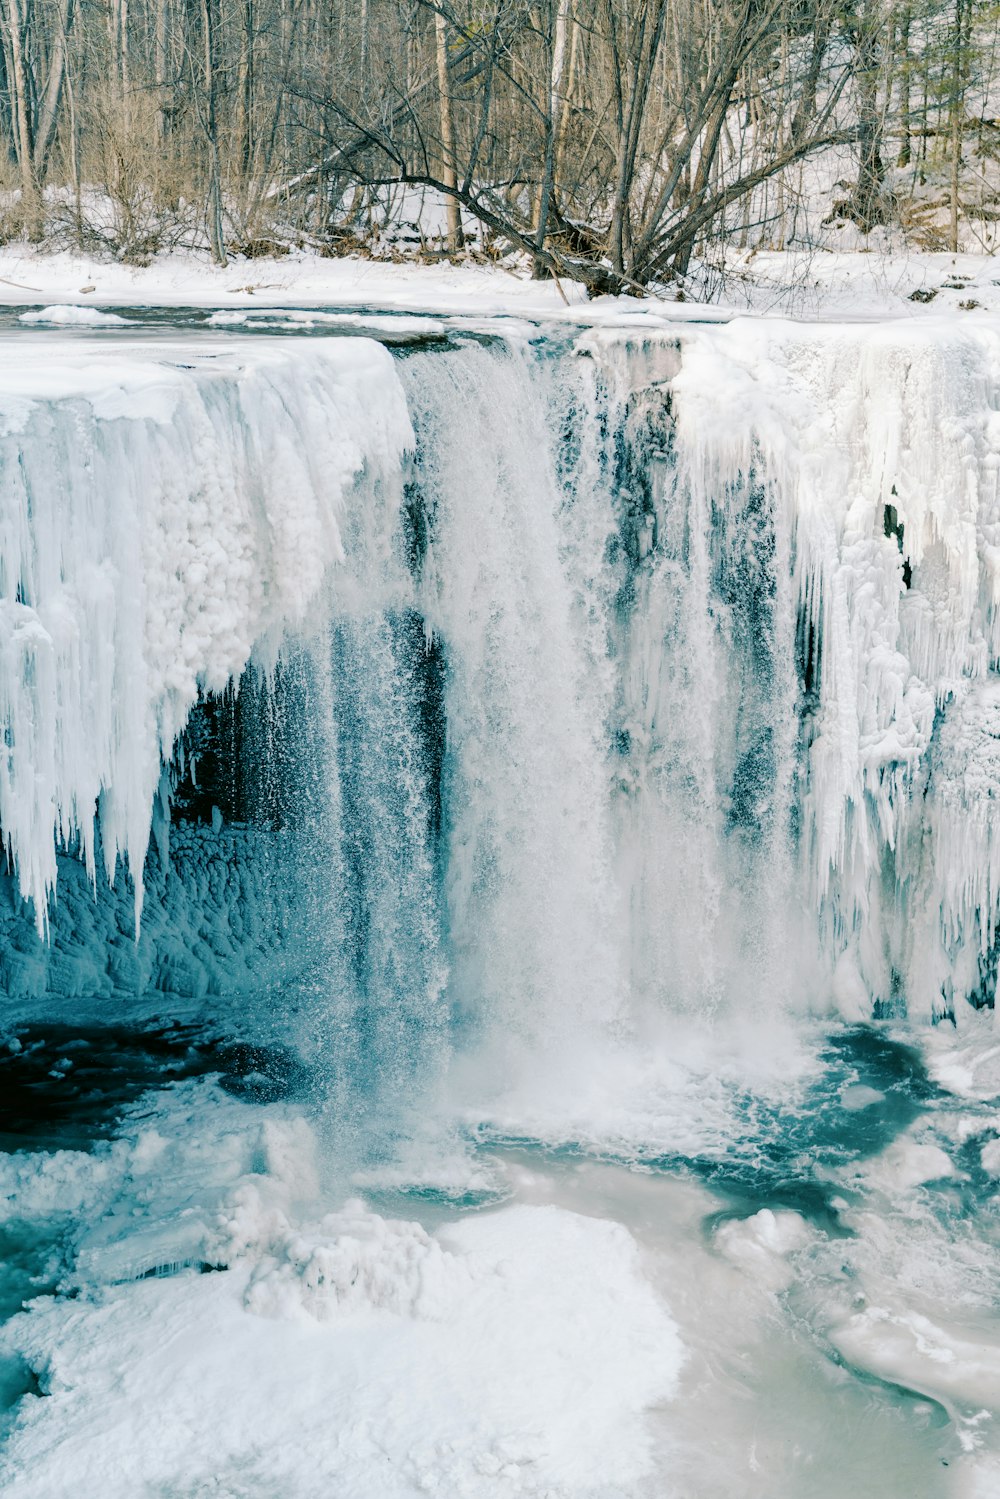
<point x="158" y="516"/>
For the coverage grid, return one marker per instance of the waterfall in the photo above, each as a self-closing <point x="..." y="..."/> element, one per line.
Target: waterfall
<point x="516" y="688"/>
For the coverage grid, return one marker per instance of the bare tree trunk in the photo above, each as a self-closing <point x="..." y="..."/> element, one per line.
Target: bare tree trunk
<point x="628" y="148"/>
<point x="903" y="160"/>
<point x="868" y="206"/>
<point x="806" y="107"/>
<point x="74" y="159"/>
<point x="246" y="89"/>
<point x="957" y="110"/>
<point x="216" y="238"/>
<point x="567" y="101"/>
<point x="555" y="107"/>
<point x="124" y="46"/>
<point x="160" y="72"/>
<point x="709" y="148"/>
<point x="31" y="203"/>
<point x="49" y="113"/>
<point x="449" y="175"/>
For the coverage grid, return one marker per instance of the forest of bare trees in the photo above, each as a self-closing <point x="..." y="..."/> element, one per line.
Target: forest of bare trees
<point x="609" y="141"/>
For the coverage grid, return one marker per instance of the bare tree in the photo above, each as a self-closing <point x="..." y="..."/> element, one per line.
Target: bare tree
<point x="448" y="173"/>
<point x="611" y="141"/>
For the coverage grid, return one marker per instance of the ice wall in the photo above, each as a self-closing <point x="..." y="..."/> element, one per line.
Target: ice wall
<point x="618" y="674"/>
<point x="881" y="447"/>
<point x="161" y="511"/>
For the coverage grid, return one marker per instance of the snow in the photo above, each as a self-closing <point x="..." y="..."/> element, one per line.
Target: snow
<point x="181" y="280"/>
<point x="510" y="1352"/>
<point x="816" y="284"/>
<point x="853" y="285"/>
<point x="68" y="315"/>
<point x="849" y="286"/>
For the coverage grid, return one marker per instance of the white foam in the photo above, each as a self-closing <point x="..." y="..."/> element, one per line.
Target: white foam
<point x="759" y="1245"/>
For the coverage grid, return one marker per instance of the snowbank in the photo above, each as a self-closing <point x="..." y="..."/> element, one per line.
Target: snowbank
<point x="848" y="286"/>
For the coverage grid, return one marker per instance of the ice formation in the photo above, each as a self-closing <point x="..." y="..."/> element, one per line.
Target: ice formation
<point x="69" y="315"/>
<point x="623" y="670"/>
<point x="882" y="446"/>
<point x="161" y="513"/>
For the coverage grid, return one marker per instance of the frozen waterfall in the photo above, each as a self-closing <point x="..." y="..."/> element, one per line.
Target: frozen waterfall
<point x="576" y="676"/>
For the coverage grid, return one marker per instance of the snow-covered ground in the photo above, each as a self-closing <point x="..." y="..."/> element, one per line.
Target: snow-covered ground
<point x="817" y="283"/>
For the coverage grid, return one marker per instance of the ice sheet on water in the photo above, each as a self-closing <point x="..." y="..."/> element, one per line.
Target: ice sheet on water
<point x="408" y="325"/>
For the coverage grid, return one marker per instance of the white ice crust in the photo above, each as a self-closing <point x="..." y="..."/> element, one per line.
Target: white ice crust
<point x="882" y="447"/>
<point x="65" y="314"/>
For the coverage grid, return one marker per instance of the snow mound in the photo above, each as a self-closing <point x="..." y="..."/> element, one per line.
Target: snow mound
<point x="511" y="1352"/>
<point x="354" y="1261"/>
<point x="68" y="315"/>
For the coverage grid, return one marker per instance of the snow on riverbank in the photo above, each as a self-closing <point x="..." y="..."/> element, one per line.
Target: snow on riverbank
<point x="801" y="284"/>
